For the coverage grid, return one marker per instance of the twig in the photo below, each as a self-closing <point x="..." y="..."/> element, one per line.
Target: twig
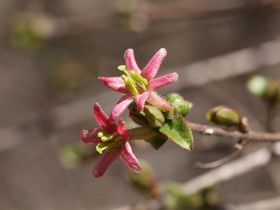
<point x="252" y="136"/>
<point x="221" y="161"/>
<point x="239" y="146"/>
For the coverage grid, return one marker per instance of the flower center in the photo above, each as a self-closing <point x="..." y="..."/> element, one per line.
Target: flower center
<point x="134" y="82"/>
<point x="109" y="141"/>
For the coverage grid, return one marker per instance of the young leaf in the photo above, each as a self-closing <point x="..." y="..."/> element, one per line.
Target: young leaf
<point x="179" y="132"/>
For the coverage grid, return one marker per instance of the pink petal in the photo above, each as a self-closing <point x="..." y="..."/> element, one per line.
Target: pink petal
<point x="163" y="81"/>
<point x="115" y="83"/>
<point x="129" y="158"/>
<point x="121" y="129"/>
<point x="151" y="69"/>
<point x="100" y="116"/>
<point x="90" y="136"/>
<point x="120" y="107"/>
<point x="130" y="61"/>
<point x="141" y="100"/>
<point x="104" y="162"/>
<point x="158" y="101"/>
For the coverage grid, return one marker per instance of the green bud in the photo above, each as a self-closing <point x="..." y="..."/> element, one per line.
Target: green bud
<point x="182" y="106"/>
<point x="138" y="119"/>
<point x="265" y="88"/>
<point x="223" y="115"/>
<point x="70" y="156"/>
<point x="137" y="116"/>
<point x="257" y="85"/>
<point x="145" y="181"/>
<point x="154" y="116"/>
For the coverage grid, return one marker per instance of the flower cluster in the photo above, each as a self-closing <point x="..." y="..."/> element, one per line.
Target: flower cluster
<point x="154" y="113"/>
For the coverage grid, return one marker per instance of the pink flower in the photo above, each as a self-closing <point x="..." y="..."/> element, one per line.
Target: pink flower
<point x="139" y="85"/>
<point x="111" y="140"/>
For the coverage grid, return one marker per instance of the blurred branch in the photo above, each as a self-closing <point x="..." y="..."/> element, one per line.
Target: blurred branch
<point x="136" y="15"/>
<point x="268" y="204"/>
<point x="226" y="172"/>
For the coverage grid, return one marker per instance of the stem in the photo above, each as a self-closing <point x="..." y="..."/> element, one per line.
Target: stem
<point x="149" y="133"/>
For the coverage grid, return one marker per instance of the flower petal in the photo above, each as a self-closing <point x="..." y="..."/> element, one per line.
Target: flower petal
<point x="90" y="136"/>
<point x="158" y="101"/>
<point x="151" y="69"/>
<point x="100" y="116"/>
<point x="119" y="108"/>
<point x="163" y="81"/>
<point x="115" y="83"/>
<point x="141" y="100"/>
<point x="129" y="158"/>
<point x="130" y="61"/>
<point x="121" y="129"/>
<point x="104" y="162"/>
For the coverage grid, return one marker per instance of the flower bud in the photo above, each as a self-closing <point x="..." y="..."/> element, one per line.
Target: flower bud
<point x="223" y="115"/>
<point x="31" y="29"/>
<point x="145" y="180"/>
<point x="154" y="116"/>
<point x="265" y="88"/>
<point x="177" y="101"/>
<point x="70" y="156"/>
<point x="137" y="116"/>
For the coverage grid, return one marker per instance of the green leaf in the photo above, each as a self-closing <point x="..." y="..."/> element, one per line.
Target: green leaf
<point x="179" y="132"/>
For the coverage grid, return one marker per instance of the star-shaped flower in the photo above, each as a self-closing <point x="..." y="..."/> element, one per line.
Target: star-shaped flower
<point x="139" y="85"/>
<point x="111" y="140"/>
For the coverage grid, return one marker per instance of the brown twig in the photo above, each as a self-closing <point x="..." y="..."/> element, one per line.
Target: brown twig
<point x="252" y="136"/>
<point x="221" y="161"/>
<point x="239" y="146"/>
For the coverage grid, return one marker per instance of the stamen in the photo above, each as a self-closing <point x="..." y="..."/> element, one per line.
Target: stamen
<point x="123" y="69"/>
<point x="137" y="77"/>
<point x="133" y="81"/>
<point x="101" y="147"/>
<point x="107" y="137"/>
<point x="130" y="84"/>
<point x="100" y="134"/>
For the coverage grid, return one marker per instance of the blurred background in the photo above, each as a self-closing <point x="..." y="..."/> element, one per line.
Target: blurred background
<point x="51" y="54"/>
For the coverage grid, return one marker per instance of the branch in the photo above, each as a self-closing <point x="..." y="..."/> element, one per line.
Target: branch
<point x="252" y="136"/>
